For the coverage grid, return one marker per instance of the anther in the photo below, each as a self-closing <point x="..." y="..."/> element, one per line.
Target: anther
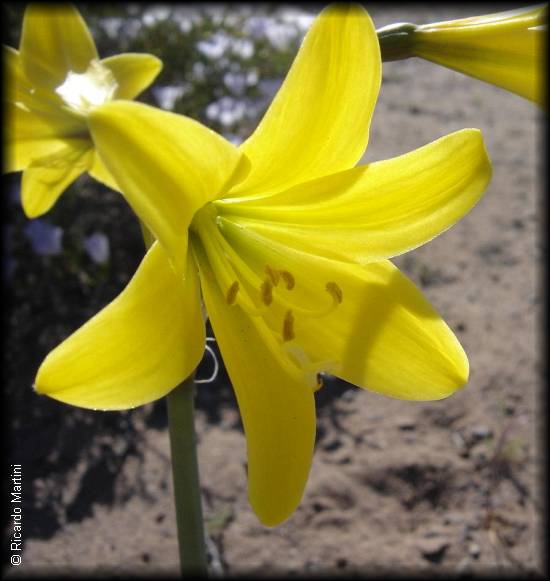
<point x="266" y="291"/>
<point x="232" y="293"/>
<point x="273" y="274"/>
<point x="335" y="291"/>
<point x="288" y="278"/>
<point x="288" y="327"/>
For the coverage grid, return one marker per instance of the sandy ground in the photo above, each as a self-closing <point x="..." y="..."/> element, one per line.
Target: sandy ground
<point x="440" y="487"/>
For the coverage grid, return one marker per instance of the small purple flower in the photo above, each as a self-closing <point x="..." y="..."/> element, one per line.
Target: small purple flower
<point x="97" y="247"/>
<point x="45" y="238"/>
<point x="14" y="192"/>
<point x="235" y="81"/>
<point x="215" y="46"/>
<point x="168" y="95"/>
<point x="257" y="26"/>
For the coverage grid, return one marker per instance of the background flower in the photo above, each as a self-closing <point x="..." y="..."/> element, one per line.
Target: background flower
<point x="507" y="49"/>
<point x="54" y="80"/>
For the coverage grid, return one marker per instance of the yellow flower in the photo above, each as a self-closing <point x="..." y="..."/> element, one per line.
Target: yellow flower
<point x="506" y="49"/>
<point x="289" y="243"/>
<point x="53" y="82"/>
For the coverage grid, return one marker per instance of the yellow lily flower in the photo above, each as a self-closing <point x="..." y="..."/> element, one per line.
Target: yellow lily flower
<point x="289" y="243"/>
<point x="54" y="80"/>
<point x="506" y="49"/>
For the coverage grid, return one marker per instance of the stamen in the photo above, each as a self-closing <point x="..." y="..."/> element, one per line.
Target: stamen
<point x="239" y="278"/>
<point x="266" y="291"/>
<point x="273" y="274"/>
<point x="288" y="278"/>
<point x="334" y="290"/>
<point x="288" y="327"/>
<point x="232" y="293"/>
<point x="337" y="296"/>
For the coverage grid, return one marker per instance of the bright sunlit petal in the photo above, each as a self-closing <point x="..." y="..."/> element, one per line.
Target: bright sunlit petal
<point x="318" y="123"/>
<point x="137" y="349"/>
<point x="167" y="165"/>
<point x="278" y="412"/>
<point x="381" y="333"/>
<point x="379" y="210"/>
<point x="133" y="73"/>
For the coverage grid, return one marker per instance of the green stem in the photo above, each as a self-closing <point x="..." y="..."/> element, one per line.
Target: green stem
<point x="396" y="41"/>
<point x="185" y="471"/>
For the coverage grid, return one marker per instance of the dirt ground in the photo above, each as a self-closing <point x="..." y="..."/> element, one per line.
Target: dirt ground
<point x="398" y="487"/>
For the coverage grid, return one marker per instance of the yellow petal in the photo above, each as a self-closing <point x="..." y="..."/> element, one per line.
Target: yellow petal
<point x="29" y="135"/>
<point x="47" y="177"/>
<point x="379" y="210"/>
<point x="388" y="337"/>
<point x="319" y="121"/>
<point x="370" y="326"/>
<point x="99" y="172"/>
<point x="167" y="166"/>
<point x="54" y="41"/>
<point x="17" y="86"/>
<point x="278" y="412"/>
<point x="506" y="49"/>
<point x="136" y="349"/>
<point x="21" y="91"/>
<point x="133" y="73"/>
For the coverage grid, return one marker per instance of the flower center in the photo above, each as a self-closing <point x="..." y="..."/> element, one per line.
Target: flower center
<point x="84" y="91"/>
<point x="270" y="299"/>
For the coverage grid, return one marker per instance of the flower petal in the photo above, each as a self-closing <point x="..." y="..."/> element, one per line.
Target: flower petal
<point x="319" y="121"/>
<point x="388" y="337"/>
<point x="380" y="333"/>
<point x="29" y="135"/>
<point x="137" y="348"/>
<point x="133" y="72"/>
<point x="54" y="41"/>
<point x="21" y="91"/>
<point x="47" y="177"/>
<point x="379" y="210"/>
<point x="100" y="173"/>
<point x="17" y="85"/>
<point x="278" y="412"/>
<point x="167" y="166"/>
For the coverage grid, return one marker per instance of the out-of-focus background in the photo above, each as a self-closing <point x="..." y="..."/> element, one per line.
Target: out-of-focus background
<point x="437" y="487"/>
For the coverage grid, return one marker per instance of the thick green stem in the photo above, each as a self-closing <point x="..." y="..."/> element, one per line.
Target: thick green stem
<point x="396" y="41"/>
<point x="185" y="471"/>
